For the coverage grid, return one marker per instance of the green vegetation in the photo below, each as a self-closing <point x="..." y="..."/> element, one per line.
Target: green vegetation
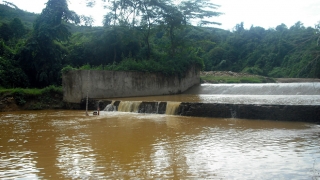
<point x="9" y="12"/>
<point x="178" y="66"/>
<point x="32" y="92"/>
<point x="280" y="52"/>
<point x="37" y="98"/>
<point x="148" y="36"/>
<point x="151" y="40"/>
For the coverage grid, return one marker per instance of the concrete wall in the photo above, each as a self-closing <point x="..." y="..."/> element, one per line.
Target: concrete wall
<point x="109" y="84"/>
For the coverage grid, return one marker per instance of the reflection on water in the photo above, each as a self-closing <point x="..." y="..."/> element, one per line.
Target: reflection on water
<point x="69" y="145"/>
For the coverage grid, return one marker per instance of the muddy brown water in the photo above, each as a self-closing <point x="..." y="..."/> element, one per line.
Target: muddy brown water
<point x="119" y="145"/>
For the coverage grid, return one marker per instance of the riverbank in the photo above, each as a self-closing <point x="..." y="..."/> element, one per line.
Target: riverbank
<point x="216" y="77"/>
<point x="31" y="99"/>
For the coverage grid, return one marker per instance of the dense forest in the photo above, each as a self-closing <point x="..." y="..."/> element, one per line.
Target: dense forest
<point x="151" y="36"/>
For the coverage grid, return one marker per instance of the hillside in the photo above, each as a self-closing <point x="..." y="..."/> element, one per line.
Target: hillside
<point x="33" y="53"/>
<point x="7" y="14"/>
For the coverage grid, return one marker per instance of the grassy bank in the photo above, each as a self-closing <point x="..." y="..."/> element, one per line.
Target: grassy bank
<point x="31" y="99"/>
<point x="32" y="92"/>
<point x="232" y="77"/>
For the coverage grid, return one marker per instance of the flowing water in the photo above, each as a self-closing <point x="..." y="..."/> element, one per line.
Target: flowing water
<point x="172" y="108"/>
<point x="122" y="145"/>
<point x="129" y="106"/>
<point x="258" y="89"/>
<point x="271" y="93"/>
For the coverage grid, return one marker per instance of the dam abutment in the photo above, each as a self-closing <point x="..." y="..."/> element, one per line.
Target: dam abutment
<point x="77" y="84"/>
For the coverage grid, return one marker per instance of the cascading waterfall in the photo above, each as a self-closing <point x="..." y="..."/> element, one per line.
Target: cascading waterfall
<point x="293" y="102"/>
<point x="129" y="106"/>
<point x="272" y="93"/>
<point x="257" y="89"/>
<point x="158" y="103"/>
<point x="110" y="107"/>
<point x="172" y="108"/>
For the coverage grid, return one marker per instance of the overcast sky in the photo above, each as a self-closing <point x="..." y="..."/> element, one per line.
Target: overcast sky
<point x="264" y="13"/>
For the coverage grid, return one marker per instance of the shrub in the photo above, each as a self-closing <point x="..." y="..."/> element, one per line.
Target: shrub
<point x="67" y="69"/>
<point x="51" y="89"/>
<point x="85" y="67"/>
<point x="253" y="70"/>
<point x="19" y="97"/>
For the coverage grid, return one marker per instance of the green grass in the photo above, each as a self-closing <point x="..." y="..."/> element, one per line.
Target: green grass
<point x="32" y="92"/>
<point x="21" y="90"/>
<point x="41" y="98"/>
<point x="231" y="79"/>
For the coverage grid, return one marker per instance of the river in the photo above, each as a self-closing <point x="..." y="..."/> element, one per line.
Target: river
<point x="120" y="145"/>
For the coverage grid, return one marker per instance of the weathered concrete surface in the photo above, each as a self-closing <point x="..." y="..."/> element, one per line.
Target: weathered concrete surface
<point x="109" y="84"/>
<point x="304" y="113"/>
<point x="153" y="107"/>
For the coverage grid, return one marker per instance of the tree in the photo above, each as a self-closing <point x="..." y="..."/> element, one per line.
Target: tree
<point x="5" y="32"/>
<point x="239" y="28"/>
<point x="317" y="32"/>
<point x="147" y="14"/>
<point x="51" y="22"/>
<point x="15" y="29"/>
<point x="170" y="19"/>
<point x="282" y="27"/>
<point x="148" y="19"/>
<point x="43" y="55"/>
<point x="18" y="28"/>
<point x="10" y="4"/>
<point x="87" y="20"/>
<point x="11" y="75"/>
<point x="199" y="11"/>
<point x="175" y="18"/>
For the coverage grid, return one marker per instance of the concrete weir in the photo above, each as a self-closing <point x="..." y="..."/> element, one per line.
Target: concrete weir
<point x="304" y="113"/>
<point x="272" y="101"/>
<point x="285" y="102"/>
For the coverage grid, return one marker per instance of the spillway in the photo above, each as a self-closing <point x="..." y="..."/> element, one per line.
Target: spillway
<point x="272" y="93"/>
<point x="257" y="89"/>
<point x="274" y="101"/>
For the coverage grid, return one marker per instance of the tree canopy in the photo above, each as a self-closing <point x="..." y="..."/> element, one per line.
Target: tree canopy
<point x="147" y="35"/>
<point x="42" y="56"/>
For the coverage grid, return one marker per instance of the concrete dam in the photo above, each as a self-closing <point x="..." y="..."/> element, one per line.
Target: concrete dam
<point x="272" y="101"/>
<point x="99" y="84"/>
